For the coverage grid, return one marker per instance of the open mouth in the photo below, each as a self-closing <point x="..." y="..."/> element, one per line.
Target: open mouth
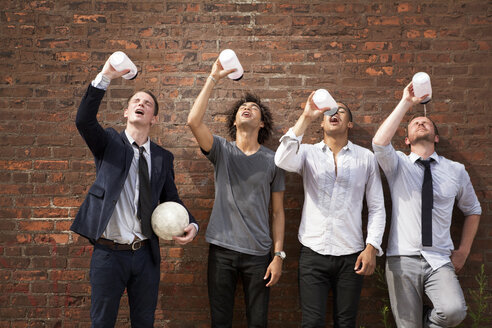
<point x="246" y="114"/>
<point x="334" y="120"/>
<point x="139" y="112"/>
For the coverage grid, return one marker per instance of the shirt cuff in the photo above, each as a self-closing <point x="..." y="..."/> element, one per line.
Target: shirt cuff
<point x="381" y="148"/>
<point x="292" y="136"/>
<point x="196" y="227"/>
<point x="101" y="82"/>
<point x="376" y="246"/>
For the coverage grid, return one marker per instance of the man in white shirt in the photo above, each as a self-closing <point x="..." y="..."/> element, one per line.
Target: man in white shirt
<point x="336" y="176"/>
<point x="420" y="255"/>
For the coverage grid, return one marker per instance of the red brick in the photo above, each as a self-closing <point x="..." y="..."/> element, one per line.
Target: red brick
<point x="365" y="53"/>
<point x="72" y="56"/>
<point x="83" y="19"/>
<point x="36" y="226"/>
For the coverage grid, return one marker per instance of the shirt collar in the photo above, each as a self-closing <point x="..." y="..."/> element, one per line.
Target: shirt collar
<point x="414" y="157"/>
<point x="146" y="145"/>
<point x="324" y="147"/>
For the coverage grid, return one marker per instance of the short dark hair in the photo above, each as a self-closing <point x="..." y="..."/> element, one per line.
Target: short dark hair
<point x="266" y="117"/>
<point x="156" y="106"/>
<point x="345" y="106"/>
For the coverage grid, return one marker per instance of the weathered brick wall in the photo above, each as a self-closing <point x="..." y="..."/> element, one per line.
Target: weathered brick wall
<point x="364" y="52"/>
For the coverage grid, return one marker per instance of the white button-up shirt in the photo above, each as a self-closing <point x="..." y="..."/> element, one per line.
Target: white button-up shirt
<point x="450" y="181"/>
<point x="331" y="222"/>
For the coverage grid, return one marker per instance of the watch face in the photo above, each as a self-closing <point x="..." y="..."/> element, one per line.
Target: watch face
<point x="281" y="254"/>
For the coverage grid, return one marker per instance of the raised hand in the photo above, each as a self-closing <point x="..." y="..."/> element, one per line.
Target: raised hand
<point x="109" y="72"/>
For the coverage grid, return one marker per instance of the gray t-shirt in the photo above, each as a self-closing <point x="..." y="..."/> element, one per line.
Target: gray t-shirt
<point x="243" y="185"/>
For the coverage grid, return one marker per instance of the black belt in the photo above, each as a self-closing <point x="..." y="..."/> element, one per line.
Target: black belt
<point x="137" y="244"/>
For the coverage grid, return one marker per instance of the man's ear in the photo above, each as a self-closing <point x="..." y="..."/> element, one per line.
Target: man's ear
<point x="125" y="112"/>
<point x="154" y="120"/>
<point x="436" y="139"/>
<point x="350" y="125"/>
<point x="407" y="141"/>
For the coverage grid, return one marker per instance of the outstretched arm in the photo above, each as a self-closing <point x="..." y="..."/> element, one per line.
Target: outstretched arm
<point x="388" y="129"/>
<point x="86" y="119"/>
<point x="195" y="117"/>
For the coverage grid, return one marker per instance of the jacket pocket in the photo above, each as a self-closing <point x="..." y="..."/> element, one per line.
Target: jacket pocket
<point x="97" y="191"/>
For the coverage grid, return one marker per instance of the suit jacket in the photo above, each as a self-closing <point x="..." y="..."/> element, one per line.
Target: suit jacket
<point x="113" y="156"/>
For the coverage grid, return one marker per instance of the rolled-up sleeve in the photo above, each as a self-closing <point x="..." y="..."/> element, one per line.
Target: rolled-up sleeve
<point x="387" y="158"/>
<point x="289" y="155"/>
<point x="467" y="198"/>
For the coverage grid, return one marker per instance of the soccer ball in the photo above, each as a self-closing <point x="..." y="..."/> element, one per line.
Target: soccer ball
<point x="169" y="219"/>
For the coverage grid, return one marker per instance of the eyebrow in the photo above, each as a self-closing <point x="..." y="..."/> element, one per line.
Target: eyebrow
<point x="254" y="105"/>
<point x="145" y="100"/>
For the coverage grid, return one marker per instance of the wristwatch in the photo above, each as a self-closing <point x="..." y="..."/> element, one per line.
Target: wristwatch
<point x="281" y="254"/>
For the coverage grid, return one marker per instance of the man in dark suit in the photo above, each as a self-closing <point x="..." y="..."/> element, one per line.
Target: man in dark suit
<point x="133" y="175"/>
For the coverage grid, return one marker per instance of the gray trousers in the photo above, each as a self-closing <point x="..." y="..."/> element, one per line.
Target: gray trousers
<point x="408" y="278"/>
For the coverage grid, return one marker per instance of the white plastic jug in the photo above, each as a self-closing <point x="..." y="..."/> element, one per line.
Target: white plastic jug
<point x="323" y="99"/>
<point x="229" y="60"/>
<point x="422" y="86"/>
<point x="120" y="62"/>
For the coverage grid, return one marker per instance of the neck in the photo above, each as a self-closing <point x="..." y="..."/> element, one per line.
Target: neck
<point x="247" y="142"/>
<point x="139" y="134"/>
<point x="424" y="150"/>
<point x="336" y="142"/>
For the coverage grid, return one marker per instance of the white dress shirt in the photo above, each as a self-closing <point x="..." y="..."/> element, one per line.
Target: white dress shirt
<point x="331" y="222"/>
<point x="450" y="181"/>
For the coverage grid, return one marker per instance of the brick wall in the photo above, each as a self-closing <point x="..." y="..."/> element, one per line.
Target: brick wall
<point x="364" y="52"/>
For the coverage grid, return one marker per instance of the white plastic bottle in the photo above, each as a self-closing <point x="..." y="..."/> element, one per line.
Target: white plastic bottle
<point x="323" y="99"/>
<point x="422" y="86"/>
<point x="120" y="62"/>
<point x="229" y="60"/>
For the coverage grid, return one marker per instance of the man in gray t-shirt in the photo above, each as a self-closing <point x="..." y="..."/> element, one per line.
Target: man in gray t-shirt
<point x="246" y="180"/>
<point x="243" y="185"/>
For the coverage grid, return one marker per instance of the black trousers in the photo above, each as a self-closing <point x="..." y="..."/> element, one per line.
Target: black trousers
<point x="111" y="272"/>
<point x="225" y="267"/>
<point x="318" y="274"/>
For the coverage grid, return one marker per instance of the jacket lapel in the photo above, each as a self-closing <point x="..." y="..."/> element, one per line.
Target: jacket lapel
<point x="128" y="152"/>
<point x="156" y="168"/>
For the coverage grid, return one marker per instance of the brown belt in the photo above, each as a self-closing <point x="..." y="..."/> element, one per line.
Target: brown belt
<point x="137" y="244"/>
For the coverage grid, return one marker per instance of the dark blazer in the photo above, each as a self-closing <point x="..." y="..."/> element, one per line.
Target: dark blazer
<point x="113" y="156"/>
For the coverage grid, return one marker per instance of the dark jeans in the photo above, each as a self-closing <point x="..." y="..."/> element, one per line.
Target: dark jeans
<point x="111" y="272"/>
<point x="318" y="274"/>
<point x="224" y="268"/>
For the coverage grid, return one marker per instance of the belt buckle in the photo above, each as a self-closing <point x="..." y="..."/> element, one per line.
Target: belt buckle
<point x="136" y="245"/>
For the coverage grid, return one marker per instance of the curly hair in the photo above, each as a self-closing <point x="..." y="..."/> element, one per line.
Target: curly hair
<point x="266" y="117"/>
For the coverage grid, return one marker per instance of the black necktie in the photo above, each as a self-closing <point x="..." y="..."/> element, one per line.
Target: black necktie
<point x="144" y="211"/>
<point x="427" y="203"/>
